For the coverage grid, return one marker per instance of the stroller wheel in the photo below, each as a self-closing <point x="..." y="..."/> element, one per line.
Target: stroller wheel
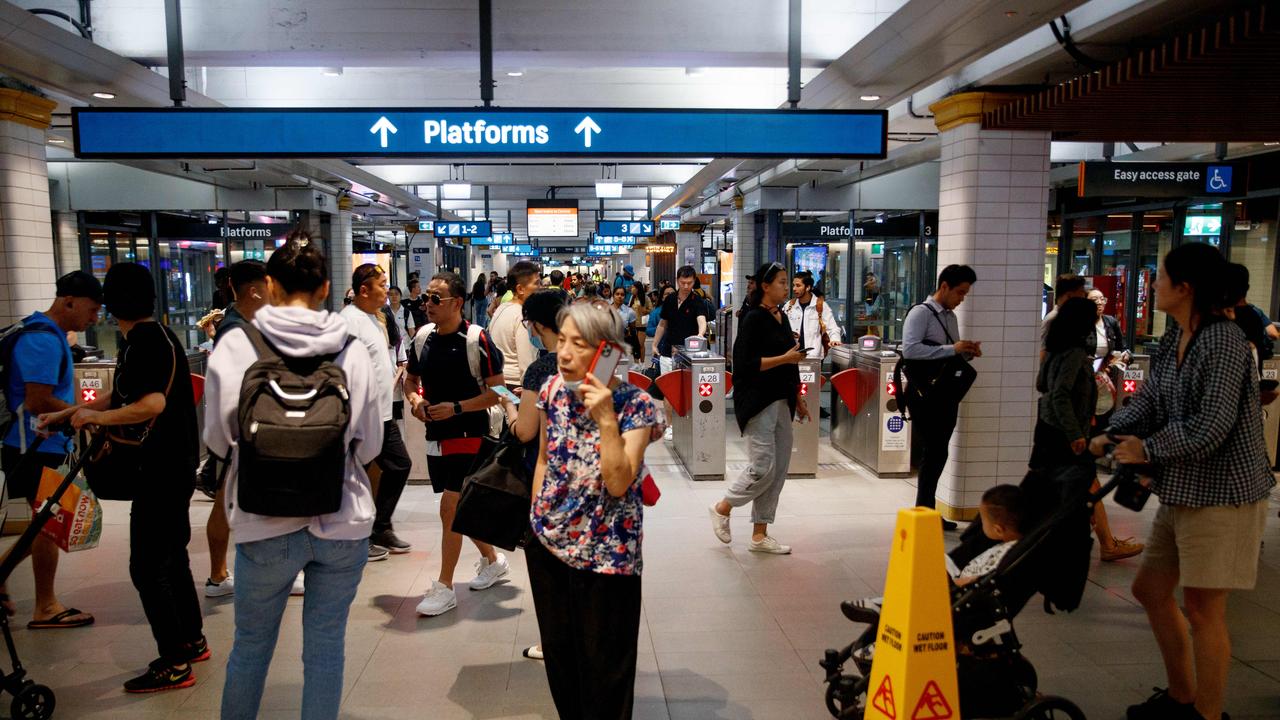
<point x="33" y="702"/>
<point x="847" y="696"/>
<point x="1050" y="707"/>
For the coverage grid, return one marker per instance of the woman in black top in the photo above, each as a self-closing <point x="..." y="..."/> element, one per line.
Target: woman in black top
<point x="152" y="400"/>
<point x="766" y="398"/>
<point x="1067" y="390"/>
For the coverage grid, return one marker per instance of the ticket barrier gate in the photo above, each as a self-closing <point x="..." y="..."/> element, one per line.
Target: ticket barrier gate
<point x="696" y="388"/>
<point x="804" y="435"/>
<point x="1271" y="411"/>
<point x="866" y="423"/>
<point x="1130" y="378"/>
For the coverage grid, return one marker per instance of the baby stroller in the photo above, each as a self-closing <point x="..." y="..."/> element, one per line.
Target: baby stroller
<point x="32" y="701"/>
<point x="995" y="679"/>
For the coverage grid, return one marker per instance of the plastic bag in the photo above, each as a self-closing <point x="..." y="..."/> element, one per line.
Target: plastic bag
<point x="77" y="520"/>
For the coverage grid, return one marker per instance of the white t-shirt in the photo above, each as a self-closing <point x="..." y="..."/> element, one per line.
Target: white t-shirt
<point x="373" y="336"/>
<point x="508" y="333"/>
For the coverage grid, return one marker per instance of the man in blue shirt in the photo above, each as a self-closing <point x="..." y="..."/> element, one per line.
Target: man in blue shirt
<point x="39" y="378"/>
<point x="930" y="332"/>
<point x="625" y="281"/>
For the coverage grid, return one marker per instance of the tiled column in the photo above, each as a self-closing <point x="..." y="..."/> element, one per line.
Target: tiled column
<point x="992" y="216"/>
<point x="745" y="261"/>
<point x="26" y="237"/>
<point x="67" y="243"/>
<point x="339" y="248"/>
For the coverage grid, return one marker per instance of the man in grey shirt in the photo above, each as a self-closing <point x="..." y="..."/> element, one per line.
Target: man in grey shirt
<point x="929" y="332"/>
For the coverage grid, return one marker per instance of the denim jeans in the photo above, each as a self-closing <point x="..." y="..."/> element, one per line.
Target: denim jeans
<point x="265" y="570"/>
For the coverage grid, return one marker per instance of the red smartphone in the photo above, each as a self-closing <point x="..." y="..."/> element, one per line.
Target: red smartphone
<point x="606" y="361"/>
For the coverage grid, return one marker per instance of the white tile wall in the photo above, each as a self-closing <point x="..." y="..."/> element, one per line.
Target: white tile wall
<point x="26" y="239"/>
<point x="992" y="211"/>
<point x="339" y="249"/>
<point x="744" y="253"/>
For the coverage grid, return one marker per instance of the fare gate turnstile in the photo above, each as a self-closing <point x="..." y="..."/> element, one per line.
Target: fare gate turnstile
<point x="804" y="440"/>
<point x="1131" y="378"/>
<point x="866" y="424"/>
<point x="698" y="432"/>
<point x="1271" y="412"/>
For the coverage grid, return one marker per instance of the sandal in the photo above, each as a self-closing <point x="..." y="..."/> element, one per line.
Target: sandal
<point x="62" y="620"/>
<point x="533" y="652"/>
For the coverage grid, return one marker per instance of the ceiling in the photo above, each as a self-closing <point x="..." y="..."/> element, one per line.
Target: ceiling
<point x="659" y="53"/>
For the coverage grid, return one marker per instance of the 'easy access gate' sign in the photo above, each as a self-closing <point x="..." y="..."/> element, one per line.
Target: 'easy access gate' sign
<point x="454" y="132"/>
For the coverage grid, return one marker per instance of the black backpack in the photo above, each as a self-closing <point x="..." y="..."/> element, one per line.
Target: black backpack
<point x="293" y="417"/>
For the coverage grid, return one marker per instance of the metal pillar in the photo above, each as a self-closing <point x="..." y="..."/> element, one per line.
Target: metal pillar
<point x="486" y="52"/>
<point x="793" y="54"/>
<point x="173" y="38"/>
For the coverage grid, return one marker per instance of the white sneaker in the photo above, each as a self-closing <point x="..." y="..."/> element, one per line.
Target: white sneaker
<point x="438" y="600"/>
<point x="770" y="546"/>
<point x="299" y="587"/>
<point x="720" y="525"/>
<point x="217" y="590"/>
<point x="488" y="573"/>
<point x="667" y="435"/>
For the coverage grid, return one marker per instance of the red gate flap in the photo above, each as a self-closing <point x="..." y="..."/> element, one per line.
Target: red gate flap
<point x="676" y="388"/>
<point x="640" y="380"/>
<point x="845" y="383"/>
<point x="728" y="382"/>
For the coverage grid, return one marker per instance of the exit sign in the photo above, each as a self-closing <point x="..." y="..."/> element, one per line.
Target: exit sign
<point x="669" y="224"/>
<point x="426" y="225"/>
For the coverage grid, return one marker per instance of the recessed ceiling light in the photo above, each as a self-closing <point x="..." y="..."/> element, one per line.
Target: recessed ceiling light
<point x="869" y="98"/>
<point x="1269" y="144"/>
<point x="331" y="71"/>
<point x="105" y="95"/>
<point x="57" y="140"/>
<point x="515" y="73"/>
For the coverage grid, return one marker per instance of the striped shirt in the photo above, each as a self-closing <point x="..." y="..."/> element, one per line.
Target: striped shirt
<point x="1201" y="423"/>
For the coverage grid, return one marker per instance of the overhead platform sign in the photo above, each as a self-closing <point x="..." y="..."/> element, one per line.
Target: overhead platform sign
<point x="454" y="132"/>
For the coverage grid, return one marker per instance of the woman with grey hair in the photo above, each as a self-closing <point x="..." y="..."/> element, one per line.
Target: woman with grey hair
<point x="584" y="561"/>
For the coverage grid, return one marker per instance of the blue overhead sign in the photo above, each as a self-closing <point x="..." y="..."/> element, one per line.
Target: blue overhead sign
<point x="454" y="132"/>
<point x="472" y="229"/>
<point x="642" y="228"/>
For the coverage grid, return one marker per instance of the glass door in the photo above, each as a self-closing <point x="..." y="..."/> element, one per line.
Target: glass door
<point x="187" y="268"/>
<point x="1155" y="241"/>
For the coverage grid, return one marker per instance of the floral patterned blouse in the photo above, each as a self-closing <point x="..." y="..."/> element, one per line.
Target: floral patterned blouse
<point x="574" y="516"/>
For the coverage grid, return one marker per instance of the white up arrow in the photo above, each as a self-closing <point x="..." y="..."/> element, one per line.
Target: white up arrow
<point x="586" y="127"/>
<point x="382" y="126"/>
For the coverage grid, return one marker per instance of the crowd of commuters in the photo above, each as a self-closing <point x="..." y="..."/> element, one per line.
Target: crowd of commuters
<point x="446" y="350"/>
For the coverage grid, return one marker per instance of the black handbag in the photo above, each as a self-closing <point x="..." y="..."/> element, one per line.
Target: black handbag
<point x="941" y="382"/>
<point x="114" y="470"/>
<point x="494" y="504"/>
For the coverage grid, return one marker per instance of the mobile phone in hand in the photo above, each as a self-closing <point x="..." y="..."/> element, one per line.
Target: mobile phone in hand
<point x="505" y="394"/>
<point x="605" y="363"/>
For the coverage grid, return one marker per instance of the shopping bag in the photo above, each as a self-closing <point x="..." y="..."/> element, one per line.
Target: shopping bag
<point x="493" y="506"/>
<point x="77" y="519"/>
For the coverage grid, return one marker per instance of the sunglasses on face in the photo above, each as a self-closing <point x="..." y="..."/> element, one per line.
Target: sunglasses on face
<point x="437" y="298"/>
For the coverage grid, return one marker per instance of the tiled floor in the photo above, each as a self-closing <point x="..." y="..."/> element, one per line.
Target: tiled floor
<point x="725" y="633"/>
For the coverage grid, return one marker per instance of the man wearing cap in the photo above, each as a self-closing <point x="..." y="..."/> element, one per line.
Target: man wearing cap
<point x="40" y="378"/>
<point x="625" y="281"/>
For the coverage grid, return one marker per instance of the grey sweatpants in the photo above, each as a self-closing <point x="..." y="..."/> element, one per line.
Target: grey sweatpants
<point x="769" y="452"/>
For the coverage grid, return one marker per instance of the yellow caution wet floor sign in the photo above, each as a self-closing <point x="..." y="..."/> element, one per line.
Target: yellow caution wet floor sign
<point x="913" y="675"/>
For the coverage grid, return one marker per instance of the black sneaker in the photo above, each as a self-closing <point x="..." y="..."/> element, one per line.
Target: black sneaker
<point x="159" y="676"/>
<point x="389" y="540"/>
<point x="948" y="526"/>
<point x="198" y="651"/>
<point x="377" y="552"/>
<point x="1161" y="707"/>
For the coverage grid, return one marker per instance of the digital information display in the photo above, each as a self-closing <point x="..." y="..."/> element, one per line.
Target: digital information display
<point x="553" y="218"/>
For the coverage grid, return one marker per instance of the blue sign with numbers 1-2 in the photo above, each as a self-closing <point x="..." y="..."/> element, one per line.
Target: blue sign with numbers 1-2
<point x="474" y="228"/>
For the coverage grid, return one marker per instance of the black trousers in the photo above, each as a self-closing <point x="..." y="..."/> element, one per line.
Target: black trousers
<point x="159" y="530"/>
<point x="396" y="464"/>
<point x="933" y="424"/>
<point x="590" y="626"/>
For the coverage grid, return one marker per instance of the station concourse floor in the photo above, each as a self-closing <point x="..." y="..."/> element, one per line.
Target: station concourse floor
<point x="725" y="633"/>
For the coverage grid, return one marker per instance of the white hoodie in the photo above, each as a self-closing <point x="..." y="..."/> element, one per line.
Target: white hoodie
<point x="296" y="332"/>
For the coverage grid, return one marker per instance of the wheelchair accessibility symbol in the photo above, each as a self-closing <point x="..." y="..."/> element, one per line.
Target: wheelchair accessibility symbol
<point x="1219" y="179"/>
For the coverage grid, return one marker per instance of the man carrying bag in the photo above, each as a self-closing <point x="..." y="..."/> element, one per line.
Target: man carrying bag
<point x="938" y="375"/>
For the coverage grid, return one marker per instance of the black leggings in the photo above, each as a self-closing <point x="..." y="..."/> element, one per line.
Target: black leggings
<point x="590" y="626"/>
<point x="159" y="530"/>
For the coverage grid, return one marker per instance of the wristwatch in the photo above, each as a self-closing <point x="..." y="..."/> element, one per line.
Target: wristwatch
<point x="457" y="408"/>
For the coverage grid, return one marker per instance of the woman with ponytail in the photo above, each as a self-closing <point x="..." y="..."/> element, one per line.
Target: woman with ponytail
<point x="766" y="399"/>
<point x="1197" y="421"/>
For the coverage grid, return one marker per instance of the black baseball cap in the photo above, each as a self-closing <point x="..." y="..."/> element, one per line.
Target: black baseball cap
<point x="79" y="283"/>
<point x="751" y="277"/>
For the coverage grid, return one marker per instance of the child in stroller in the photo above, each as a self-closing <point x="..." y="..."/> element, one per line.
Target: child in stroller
<point x="996" y="680"/>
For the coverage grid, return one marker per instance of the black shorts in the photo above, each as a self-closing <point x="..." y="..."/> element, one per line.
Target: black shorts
<point x="24" y="482"/>
<point x="448" y="471"/>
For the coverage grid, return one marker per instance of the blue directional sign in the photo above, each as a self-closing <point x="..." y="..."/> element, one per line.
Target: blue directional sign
<point x="454" y="132"/>
<point x="641" y="228"/>
<point x="474" y="228"/>
<point x="516" y="249"/>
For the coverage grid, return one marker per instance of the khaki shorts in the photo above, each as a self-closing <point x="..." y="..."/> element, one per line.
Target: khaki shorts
<point x="1208" y="547"/>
